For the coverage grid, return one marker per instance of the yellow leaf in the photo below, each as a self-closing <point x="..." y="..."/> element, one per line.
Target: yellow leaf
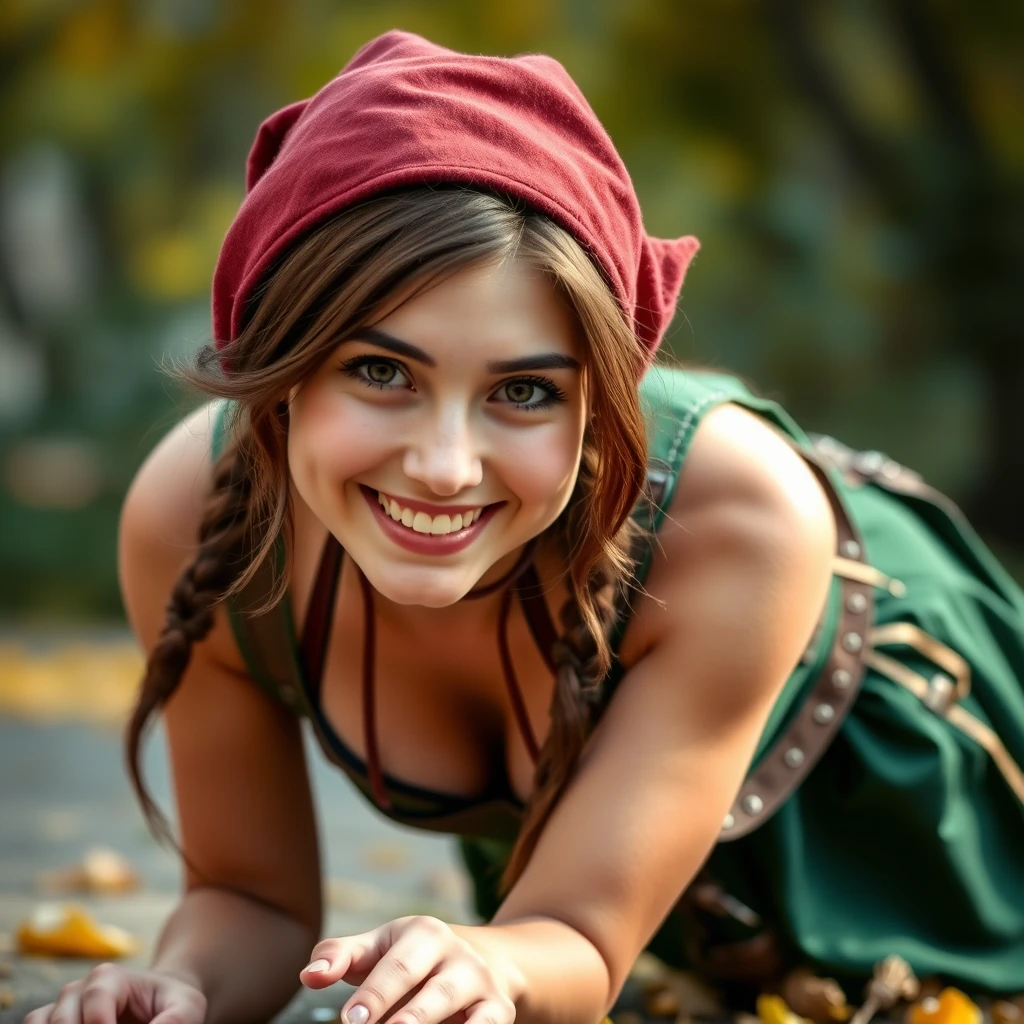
<point x="950" y="1007"/>
<point x="773" y="1010"/>
<point x="68" y="930"/>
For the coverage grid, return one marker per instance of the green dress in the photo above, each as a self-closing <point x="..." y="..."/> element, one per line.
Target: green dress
<point x="907" y="836"/>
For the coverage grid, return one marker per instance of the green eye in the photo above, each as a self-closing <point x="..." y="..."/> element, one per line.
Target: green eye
<point x="377" y="372"/>
<point x="520" y="392"/>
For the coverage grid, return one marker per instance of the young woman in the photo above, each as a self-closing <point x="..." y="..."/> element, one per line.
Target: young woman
<point x="680" y="678"/>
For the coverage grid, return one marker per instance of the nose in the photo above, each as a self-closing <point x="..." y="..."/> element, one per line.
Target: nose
<point x="443" y="454"/>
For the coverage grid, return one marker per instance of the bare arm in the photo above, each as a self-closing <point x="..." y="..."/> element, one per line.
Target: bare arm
<point x="743" y="570"/>
<point x="251" y="908"/>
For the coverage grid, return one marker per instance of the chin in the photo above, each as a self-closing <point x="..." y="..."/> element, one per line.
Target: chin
<point x="422" y="588"/>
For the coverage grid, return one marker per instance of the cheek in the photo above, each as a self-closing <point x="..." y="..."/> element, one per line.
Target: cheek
<point x="541" y="470"/>
<point x="331" y="440"/>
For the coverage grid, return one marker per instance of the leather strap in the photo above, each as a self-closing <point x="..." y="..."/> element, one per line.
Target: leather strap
<point x="317" y="630"/>
<point x="800" y="747"/>
<point x="538" y="618"/>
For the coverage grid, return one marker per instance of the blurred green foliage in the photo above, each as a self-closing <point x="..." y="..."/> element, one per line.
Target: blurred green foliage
<point x="853" y="169"/>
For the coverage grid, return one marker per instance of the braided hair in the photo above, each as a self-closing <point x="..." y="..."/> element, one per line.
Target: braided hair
<point x="223" y="554"/>
<point x="582" y="656"/>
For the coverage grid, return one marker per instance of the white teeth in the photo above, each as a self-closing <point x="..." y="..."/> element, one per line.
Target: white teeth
<point x="421" y="522"/>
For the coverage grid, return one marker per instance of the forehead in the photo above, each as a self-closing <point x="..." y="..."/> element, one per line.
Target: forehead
<point x="492" y="306"/>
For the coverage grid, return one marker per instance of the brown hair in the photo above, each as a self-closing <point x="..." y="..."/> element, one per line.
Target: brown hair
<point x="334" y="280"/>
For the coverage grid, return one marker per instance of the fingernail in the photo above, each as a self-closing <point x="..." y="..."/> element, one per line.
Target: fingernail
<point x="356" y="1014"/>
<point x="316" y="967"/>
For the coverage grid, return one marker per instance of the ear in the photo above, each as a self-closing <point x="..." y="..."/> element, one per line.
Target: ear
<point x="268" y="141"/>
<point x="662" y="269"/>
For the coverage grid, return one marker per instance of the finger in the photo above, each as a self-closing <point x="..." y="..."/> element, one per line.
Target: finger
<point x="412" y="959"/>
<point x="67" y="1009"/>
<point x="180" y="1005"/>
<point x="40" y="1016"/>
<point x="350" y="958"/>
<point x="103" y="995"/>
<point x="443" y="996"/>
<point x="180" y="1015"/>
<point x="496" y="1010"/>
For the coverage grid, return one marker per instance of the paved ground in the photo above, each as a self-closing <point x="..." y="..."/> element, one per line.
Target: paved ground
<point x="62" y="790"/>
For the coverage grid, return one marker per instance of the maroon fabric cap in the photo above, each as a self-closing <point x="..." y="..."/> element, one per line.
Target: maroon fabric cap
<point x="405" y="111"/>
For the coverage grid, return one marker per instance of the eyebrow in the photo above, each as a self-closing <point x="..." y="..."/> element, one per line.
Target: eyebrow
<point x="541" y="361"/>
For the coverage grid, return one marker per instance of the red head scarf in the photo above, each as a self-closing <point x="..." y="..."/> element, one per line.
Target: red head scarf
<point x="405" y="111"/>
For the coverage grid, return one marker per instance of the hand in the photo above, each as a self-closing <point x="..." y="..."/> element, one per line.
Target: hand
<point x="415" y="970"/>
<point x="110" y="994"/>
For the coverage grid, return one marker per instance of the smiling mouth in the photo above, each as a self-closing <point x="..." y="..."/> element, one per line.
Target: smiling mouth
<point x="422" y="522"/>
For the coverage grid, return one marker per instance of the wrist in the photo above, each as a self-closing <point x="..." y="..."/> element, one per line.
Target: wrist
<point x="180" y="973"/>
<point x="494" y="949"/>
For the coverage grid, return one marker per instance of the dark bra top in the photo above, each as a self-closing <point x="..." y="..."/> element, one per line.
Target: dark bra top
<point x="521" y="581"/>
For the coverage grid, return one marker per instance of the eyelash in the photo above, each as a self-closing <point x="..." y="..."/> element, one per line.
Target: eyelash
<point x="351" y="368"/>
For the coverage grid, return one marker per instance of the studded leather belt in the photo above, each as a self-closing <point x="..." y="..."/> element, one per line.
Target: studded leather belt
<point x="796" y="751"/>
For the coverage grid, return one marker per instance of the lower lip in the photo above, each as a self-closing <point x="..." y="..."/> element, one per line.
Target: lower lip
<point x="427" y="543"/>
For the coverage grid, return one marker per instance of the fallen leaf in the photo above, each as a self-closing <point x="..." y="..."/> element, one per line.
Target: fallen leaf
<point x="1006" y="1012"/>
<point x="101" y="870"/>
<point x="68" y="930"/>
<point x="816" y="998"/>
<point x="344" y="894"/>
<point x="773" y="1010"/>
<point x="950" y="1007"/>
<point x="660" y="1001"/>
<point x="386" y="856"/>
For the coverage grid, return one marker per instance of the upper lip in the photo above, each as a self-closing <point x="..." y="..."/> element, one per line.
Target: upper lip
<point x="426" y="506"/>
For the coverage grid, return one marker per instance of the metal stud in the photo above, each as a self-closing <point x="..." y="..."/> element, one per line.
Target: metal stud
<point x="850" y="549"/>
<point x="856" y="602"/>
<point x="728" y="822"/>
<point x="794" y="757"/>
<point x="824" y="713"/>
<point x="853" y="642"/>
<point x="941" y="693"/>
<point x="870" y="462"/>
<point x="753" y="804"/>
<point x="841" y="679"/>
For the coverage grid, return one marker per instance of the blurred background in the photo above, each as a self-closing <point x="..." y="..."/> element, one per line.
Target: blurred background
<point x="854" y="170"/>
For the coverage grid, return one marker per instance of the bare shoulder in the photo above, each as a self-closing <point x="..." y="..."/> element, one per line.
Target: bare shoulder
<point x="159" y="528"/>
<point x="739" y="463"/>
<point x="747" y="509"/>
